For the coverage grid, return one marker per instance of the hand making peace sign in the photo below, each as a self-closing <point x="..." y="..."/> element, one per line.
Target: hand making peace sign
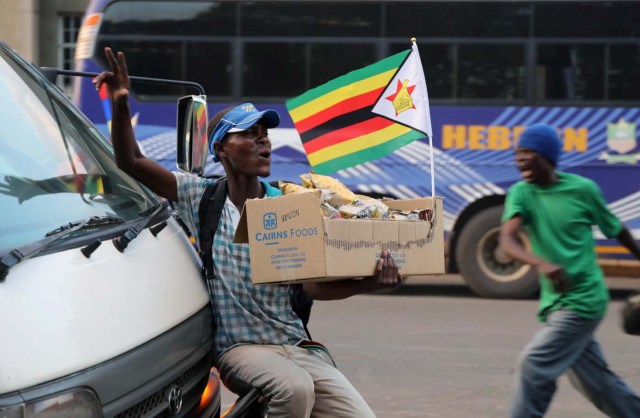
<point x="117" y="80"/>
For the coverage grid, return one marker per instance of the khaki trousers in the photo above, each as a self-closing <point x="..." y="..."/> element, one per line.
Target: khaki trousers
<point x="297" y="382"/>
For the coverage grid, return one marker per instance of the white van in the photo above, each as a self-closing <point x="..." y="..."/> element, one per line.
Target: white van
<point x="103" y="312"/>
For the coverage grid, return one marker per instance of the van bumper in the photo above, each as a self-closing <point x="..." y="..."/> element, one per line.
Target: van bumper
<point x="152" y="379"/>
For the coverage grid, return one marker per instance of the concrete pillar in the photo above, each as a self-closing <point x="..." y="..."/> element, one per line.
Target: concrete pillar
<point x="19" y="26"/>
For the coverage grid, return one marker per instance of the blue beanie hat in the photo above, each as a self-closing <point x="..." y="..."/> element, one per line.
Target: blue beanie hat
<point x="543" y="139"/>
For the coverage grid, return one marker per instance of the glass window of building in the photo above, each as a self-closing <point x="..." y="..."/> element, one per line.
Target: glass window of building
<point x="68" y="28"/>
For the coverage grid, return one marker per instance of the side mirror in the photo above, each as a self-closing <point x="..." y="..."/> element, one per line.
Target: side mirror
<point x="192" y="141"/>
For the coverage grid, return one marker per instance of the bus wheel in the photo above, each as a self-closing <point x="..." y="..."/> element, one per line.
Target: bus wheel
<point x="488" y="271"/>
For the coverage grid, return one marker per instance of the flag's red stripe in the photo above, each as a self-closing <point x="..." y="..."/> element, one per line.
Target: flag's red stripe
<point x="104" y="94"/>
<point x="345" y="106"/>
<point x="341" y="135"/>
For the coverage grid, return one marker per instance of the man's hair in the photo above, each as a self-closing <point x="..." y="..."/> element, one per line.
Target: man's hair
<point x="216" y="119"/>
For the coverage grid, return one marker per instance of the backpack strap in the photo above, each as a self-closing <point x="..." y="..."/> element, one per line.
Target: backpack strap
<point x="301" y="304"/>
<point x="209" y="213"/>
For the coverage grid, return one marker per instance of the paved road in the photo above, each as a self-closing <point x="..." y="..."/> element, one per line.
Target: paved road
<point x="433" y="349"/>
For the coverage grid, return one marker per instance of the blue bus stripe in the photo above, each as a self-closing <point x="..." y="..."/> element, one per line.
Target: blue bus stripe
<point x="504" y="115"/>
<point x="534" y="117"/>
<point x="552" y="113"/>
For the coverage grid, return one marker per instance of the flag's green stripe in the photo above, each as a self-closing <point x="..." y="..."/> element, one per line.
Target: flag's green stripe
<point x="386" y="64"/>
<point x="368" y="154"/>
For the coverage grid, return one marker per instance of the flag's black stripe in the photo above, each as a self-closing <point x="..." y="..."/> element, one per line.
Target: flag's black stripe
<point x="338" y="122"/>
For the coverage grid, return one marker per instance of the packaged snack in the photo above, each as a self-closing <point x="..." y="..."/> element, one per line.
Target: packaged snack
<point x="306" y="181"/>
<point x="291" y="188"/>
<point x="329" y="212"/>
<point x="381" y="209"/>
<point x="356" y="211"/>
<point x="399" y="215"/>
<point x="327" y="195"/>
<point x="342" y="194"/>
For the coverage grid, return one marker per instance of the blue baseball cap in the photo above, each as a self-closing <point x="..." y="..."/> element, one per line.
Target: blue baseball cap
<point x="241" y="118"/>
<point x="543" y="139"/>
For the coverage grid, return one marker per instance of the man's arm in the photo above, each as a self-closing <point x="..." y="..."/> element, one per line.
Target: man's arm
<point x="128" y="156"/>
<point x="386" y="276"/>
<point x="512" y="246"/>
<point x="625" y="238"/>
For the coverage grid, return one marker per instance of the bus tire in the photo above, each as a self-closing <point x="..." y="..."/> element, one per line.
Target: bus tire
<point x="487" y="270"/>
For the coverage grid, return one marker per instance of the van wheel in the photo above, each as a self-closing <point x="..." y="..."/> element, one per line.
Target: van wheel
<point x="488" y="271"/>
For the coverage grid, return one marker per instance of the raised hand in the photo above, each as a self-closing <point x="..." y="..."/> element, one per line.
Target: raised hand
<point x="117" y="80"/>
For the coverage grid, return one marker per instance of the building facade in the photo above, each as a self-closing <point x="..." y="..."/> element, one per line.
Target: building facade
<point x="43" y="31"/>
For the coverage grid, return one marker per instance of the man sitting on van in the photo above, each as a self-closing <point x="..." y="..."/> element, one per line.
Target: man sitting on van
<point x="260" y="341"/>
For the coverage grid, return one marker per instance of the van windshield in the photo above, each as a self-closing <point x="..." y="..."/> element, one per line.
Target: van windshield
<point x="55" y="166"/>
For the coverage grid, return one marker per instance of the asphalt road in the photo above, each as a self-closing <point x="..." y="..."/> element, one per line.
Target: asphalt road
<point x="433" y="349"/>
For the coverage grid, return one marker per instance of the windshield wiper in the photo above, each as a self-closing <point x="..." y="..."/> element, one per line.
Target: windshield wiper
<point x="26" y="251"/>
<point x="147" y="216"/>
<point x="93" y="221"/>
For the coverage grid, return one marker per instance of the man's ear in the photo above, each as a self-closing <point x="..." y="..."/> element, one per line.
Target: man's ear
<point x="218" y="148"/>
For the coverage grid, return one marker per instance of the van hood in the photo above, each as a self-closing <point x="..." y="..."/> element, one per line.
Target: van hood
<point x="62" y="312"/>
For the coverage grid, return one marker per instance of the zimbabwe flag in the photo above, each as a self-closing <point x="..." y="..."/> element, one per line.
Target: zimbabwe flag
<point x="337" y="123"/>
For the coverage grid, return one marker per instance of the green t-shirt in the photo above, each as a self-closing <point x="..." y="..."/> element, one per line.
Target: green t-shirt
<point x="558" y="219"/>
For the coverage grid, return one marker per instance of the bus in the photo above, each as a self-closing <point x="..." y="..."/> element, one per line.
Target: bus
<point x="492" y="68"/>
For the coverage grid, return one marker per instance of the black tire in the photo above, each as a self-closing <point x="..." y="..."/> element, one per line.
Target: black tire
<point x="486" y="269"/>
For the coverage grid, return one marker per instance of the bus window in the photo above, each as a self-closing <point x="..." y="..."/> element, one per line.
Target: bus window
<point x="571" y="72"/>
<point x="454" y="19"/>
<point x="328" y="61"/>
<point x="262" y="78"/>
<point x="491" y="72"/>
<point x="602" y="19"/>
<point x="159" y="18"/>
<point x="197" y="61"/>
<point x="301" y="67"/>
<point x="624" y="72"/>
<point x="300" y="18"/>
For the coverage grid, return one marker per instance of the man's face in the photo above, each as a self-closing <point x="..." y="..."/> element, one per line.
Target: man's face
<point x="533" y="167"/>
<point x="249" y="152"/>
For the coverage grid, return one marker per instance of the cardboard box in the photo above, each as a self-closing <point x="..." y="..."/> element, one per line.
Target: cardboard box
<point x="290" y="241"/>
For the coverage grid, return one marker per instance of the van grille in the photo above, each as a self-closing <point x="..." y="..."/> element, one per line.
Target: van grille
<point x="192" y="383"/>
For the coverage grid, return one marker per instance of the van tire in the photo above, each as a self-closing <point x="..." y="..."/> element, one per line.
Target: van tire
<point x="486" y="269"/>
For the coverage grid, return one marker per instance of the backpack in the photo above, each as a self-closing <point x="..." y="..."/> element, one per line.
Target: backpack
<point x="209" y="213"/>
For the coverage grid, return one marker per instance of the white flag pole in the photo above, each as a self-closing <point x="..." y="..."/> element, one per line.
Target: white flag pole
<point x="425" y="95"/>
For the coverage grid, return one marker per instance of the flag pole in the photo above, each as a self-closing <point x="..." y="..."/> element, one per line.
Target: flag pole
<point x="433" y="173"/>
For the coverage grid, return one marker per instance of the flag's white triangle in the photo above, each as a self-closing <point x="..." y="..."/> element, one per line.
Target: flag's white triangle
<point x="405" y="100"/>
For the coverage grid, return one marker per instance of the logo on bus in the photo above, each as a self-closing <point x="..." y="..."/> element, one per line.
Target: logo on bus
<point x="621" y="138"/>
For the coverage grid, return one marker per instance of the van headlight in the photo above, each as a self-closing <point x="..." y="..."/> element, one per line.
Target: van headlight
<point x="81" y="403"/>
